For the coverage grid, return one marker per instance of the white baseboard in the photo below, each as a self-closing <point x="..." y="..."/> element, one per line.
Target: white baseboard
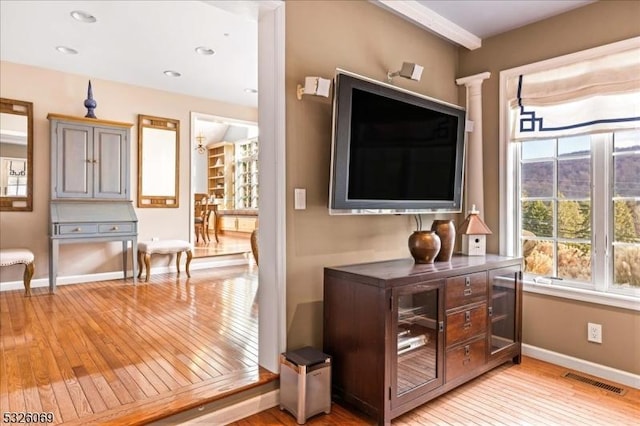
<point x="205" y="263"/>
<point x="238" y="411"/>
<point x="587" y="367"/>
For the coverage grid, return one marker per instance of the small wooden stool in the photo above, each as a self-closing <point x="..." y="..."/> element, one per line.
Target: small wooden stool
<point x="16" y="256"/>
<point x="147" y="248"/>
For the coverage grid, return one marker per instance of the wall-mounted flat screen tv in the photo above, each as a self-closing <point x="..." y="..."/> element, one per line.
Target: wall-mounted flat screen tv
<point x="393" y="151"/>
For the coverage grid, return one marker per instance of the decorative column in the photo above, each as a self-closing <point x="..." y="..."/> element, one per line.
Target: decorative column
<point x="474" y="180"/>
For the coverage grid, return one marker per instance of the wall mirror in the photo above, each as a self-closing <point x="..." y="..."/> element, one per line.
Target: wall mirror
<point x="16" y="155"/>
<point x="158" y="161"/>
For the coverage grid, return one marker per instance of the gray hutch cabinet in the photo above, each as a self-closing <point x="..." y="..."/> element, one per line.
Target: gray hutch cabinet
<point x="90" y="186"/>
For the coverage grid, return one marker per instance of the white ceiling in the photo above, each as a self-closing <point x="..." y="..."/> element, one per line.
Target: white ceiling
<point x="135" y="41"/>
<point x="488" y="18"/>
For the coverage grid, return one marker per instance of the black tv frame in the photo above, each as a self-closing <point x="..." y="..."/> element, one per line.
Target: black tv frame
<point x="339" y="203"/>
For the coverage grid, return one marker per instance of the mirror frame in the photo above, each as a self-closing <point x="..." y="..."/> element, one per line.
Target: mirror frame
<point x="155" y="201"/>
<point x="21" y="204"/>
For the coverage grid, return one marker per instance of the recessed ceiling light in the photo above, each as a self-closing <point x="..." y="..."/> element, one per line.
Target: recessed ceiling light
<point x="250" y="90"/>
<point x="206" y="51"/>
<point x="172" y="73"/>
<point x="81" y="16"/>
<point x="226" y="34"/>
<point x="67" y="50"/>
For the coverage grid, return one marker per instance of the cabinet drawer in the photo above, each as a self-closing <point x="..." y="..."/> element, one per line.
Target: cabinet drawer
<point x="228" y="223"/>
<point x="115" y="228"/>
<point x="246" y="224"/>
<point x="465" y="359"/>
<point x="466" y="324"/>
<point x="466" y="289"/>
<point x="79" y="229"/>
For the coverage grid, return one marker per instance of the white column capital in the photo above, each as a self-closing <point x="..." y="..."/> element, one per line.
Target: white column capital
<point x="473" y="80"/>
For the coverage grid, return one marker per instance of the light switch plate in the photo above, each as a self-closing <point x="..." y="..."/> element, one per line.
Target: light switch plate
<point x="299" y="199"/>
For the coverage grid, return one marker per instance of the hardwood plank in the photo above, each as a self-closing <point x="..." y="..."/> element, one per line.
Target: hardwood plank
<point x="532" y="393"/>
<point x="116" y="357"/>
<point x="112" y="351"/>
<point x="65" y="409"/>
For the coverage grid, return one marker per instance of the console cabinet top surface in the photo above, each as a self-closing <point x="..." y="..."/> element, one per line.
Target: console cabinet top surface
<point x="395" y="272"/>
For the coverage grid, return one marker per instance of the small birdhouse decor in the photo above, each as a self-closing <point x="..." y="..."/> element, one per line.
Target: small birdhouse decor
<point x="474" y="234"/>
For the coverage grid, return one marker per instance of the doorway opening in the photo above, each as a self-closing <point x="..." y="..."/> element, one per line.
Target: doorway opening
<point x="224" y="184"/>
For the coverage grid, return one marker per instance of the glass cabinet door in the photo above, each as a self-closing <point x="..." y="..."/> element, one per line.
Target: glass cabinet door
<point x="418" y="345"/>
<point x="502" y="310"/>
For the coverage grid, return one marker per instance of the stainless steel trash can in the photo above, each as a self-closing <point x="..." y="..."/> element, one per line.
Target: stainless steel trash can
<point x="305" y="383"/>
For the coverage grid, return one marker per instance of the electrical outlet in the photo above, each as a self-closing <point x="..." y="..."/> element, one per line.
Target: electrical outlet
<point x="594" y="332"/>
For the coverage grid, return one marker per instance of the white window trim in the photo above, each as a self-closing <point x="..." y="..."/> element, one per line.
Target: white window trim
<point x="508" y="177"/>
<point x="583" y="295"/>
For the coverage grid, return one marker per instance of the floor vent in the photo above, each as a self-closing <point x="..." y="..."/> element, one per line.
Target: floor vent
<point x="596" y="383"/>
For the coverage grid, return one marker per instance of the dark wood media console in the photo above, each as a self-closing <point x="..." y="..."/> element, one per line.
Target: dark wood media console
<point x="401" y="334"/>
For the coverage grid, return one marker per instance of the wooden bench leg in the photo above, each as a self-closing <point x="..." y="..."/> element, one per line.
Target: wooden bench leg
<point x="189" y="257"/>
<point x="178" y="256"/>
<point x="147" y="264"/>
<point x="29" y="268"/>
<point x="140" y="264"/>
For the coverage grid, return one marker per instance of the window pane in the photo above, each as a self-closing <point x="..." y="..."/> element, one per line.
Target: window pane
<point x="538" y="149"/>
<point x="537" y="218"/>
<point x="626" y="222"/>
<point x="626" y="265"/>
<point x="574" y="178"/>
<point x="576" y="145"/>
<point x="537" y="179"/>
<point x="574" y="261"/>
<point x="538" y="257"/>
<point x="574" y="219"/>
<point x="626" y="181"/>
<point x="626" y="141"/>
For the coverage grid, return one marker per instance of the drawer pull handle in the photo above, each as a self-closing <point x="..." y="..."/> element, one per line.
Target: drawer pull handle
<point x="77" y="230"/>
<point x="467" y="316"/>
<point x="466" y="361"/>
<point x="115" y="228"/>
<point x="467" y="292"/>
<point x="466" y="325"/>
<point x="467" y="281"/>
<point x="467" y="350"/>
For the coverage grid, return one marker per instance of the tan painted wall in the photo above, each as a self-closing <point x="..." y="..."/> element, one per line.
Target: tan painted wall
<point x="552" y="323"/>
<point x="56" y="92"/>
<point x="359" y="37"/>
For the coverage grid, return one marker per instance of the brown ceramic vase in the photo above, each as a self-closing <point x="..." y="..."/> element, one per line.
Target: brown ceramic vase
<point x="424" y="246"/>
<point x="446" y="230"/>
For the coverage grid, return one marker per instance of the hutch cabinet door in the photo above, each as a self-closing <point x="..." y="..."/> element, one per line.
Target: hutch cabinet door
<point x="90" y="162"/>
<point x="505" y="295"/>
<point x="73" y="161"/>
<point x="110" y="163"/>
<point x="417" y="343"/>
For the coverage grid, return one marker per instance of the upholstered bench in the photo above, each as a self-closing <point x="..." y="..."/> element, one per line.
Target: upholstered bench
<point x="17" y="256"/>
<point x="147" y="248"/>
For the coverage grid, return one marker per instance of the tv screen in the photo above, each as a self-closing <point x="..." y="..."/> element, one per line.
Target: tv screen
<point x="393" y="151"/>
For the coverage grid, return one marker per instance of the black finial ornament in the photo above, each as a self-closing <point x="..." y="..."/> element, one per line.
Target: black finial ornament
<point x="90" y="103"/>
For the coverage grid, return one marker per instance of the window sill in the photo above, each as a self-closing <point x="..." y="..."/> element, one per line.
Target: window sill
<point x="596" y="297"/>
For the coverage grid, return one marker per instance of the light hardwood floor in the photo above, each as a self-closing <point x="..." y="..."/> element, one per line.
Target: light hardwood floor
<point x="532" y="393"/>
<point x="227" y="244"/>
<point x="114" y="352"/>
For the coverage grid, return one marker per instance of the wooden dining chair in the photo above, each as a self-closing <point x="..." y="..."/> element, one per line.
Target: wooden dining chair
<point x="201" y="217"/>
